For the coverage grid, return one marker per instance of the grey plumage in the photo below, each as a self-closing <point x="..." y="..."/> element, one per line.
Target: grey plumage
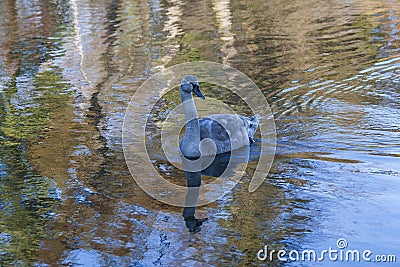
<point x="226" y="131"/>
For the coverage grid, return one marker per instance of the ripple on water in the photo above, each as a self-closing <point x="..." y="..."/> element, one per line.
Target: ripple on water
<point x="333" y="68"/>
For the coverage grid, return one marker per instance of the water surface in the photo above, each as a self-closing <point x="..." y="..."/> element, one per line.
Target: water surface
<point x="329" y="69"/>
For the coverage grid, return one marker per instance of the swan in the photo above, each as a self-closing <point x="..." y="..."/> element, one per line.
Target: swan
<point x="227" y="132"/>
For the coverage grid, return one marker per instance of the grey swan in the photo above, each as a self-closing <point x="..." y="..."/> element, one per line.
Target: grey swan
<point x="227" y="132"/>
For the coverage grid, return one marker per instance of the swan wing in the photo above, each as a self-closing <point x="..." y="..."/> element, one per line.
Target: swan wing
<point x="210" y="128"/>
<point x="228" y="131"/>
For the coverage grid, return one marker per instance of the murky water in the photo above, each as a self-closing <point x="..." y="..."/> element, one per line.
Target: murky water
<point x="329" y="69"/>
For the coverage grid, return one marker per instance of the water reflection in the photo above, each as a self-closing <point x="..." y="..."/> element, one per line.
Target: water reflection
<point x="221" y="166"/>
<point x="330" y="70"/>
<point x="193" y="182"/>
<point x="33" y="93"/>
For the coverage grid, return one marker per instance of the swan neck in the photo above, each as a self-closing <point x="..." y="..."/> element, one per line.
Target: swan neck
<point x="191" y="118"/>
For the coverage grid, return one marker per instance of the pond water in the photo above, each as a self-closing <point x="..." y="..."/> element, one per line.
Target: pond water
<point x="330" y="71"/>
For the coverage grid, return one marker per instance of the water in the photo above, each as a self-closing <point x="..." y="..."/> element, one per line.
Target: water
<point x="329" y="69"/>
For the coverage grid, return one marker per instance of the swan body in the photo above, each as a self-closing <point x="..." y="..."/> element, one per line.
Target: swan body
<point x="216" y="133"/>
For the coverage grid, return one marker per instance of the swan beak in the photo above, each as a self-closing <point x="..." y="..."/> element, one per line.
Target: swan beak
<point x="196" y="90"/>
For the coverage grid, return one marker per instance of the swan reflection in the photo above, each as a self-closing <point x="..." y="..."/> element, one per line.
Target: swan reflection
<point x="222" y="165"/>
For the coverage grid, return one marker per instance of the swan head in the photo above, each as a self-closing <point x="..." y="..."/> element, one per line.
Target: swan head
<point x="190" y="84"/>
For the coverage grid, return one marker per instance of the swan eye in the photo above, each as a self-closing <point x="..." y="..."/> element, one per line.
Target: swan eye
<point x="194" y="86"/>
<point x="251" y="125"/>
